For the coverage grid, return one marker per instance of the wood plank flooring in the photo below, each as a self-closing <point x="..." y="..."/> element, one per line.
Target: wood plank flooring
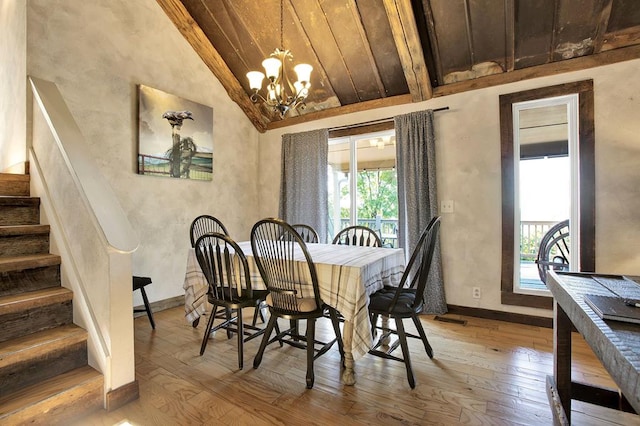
<point x="483" y="373"/>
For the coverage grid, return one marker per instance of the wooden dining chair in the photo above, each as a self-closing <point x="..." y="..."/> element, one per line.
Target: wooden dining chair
<point x="358" y="235"/>
<point x="139" y="283"/>
<point x="204" y="224"/>
<point x="308" y="234"/>
<point x="405" y="301"/>
<point x="225" y="267"/>
<point x="293" y="290"/>
<point x="199" y="226"/>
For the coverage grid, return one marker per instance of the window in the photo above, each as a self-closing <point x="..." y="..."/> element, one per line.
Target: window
<point x="582" y="166"/>
<point x="545" y="149"/>
<point x="371" y="199"/>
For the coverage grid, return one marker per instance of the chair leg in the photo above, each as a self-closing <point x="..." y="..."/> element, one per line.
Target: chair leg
<point x="293" y="325"/>
<point x="207" y="330"/>
<point x="423" y="335"/>
<point x="374" y="323"/>
<point x="258" y="311"/>
<point x="147" y="307"/>
<point x="311" y="336"/>
<point x="265" y="339"/>
<point x="229" y="316"/>
<point x="240" y="339"/>
<point x="405" y="351"/>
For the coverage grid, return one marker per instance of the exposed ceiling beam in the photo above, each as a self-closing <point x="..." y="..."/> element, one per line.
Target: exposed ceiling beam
<point x="576" y="64"/>
<point x="405" y="35"/>
<point x="346" y="109"/>
<point x="560" y="67"/>
<point x="192" y="32"/>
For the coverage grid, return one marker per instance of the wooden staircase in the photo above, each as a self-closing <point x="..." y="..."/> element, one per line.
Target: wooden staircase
<point x="44" y="374"/>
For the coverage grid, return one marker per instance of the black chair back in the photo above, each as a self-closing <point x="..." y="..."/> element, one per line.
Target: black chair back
<point x="307" y="233"/>
<point x="205" y="224"/>
<point x="225" y="267"/>
<point x="358" y="235"/>
<point x="417" y="270"/>
<point x="292" y="285"/>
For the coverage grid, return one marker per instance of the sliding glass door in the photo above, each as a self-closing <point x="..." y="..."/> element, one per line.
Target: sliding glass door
<point x="363" y="184"/>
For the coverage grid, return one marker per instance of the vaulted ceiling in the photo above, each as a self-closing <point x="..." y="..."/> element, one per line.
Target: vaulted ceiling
<point x="372" y="53"/>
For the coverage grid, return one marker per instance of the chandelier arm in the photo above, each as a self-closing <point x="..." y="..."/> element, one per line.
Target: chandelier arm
<point x="288" y="93"/>
<point x="256" y="96"/>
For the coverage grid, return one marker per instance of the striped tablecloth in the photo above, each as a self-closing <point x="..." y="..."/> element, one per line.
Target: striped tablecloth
<point x="347" y="276"/>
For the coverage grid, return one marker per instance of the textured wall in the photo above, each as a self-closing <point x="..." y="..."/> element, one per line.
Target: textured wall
<point x="13" y="81"/>
<point x="468" y="161"/>
<point x="97" y="52"/>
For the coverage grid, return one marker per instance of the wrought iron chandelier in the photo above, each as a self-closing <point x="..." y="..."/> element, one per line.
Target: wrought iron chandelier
<point x="281" y="94"/>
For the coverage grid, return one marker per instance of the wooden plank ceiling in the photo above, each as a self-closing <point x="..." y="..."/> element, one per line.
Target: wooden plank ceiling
<point x="373" y="53"/>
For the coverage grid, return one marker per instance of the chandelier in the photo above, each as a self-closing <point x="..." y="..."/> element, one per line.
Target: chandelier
<point x="281" y="94"/>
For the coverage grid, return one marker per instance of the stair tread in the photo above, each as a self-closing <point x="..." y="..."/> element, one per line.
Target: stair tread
<point x="14" y="177"/>
<point x="17" y="349"/>
<point x="8" y="230"/>
<point x="13" y="200"/>
<point x="27" y="300"/>
<point x="16" y="263"/>
<point x="48" y="389"/>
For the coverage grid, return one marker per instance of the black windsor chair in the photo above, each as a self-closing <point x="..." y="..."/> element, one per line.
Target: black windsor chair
<point x="405" y="301"/>
<point x="358" y="235"/>
<point x="225" y="267"/>
<point x="293" y="290"/>
<point x="307" y="233"/>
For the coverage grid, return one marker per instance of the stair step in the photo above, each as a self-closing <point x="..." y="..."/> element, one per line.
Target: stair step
<point x="39" y="356"/>
<point x="14" y="184"/>
<point x="19" y="211"/>
<point x="58" y="400"/>
<point x="28" y="273"/>
<point x="17" y="240"/>
<point x="30" y="312"/>
<point x="19" y="263"/>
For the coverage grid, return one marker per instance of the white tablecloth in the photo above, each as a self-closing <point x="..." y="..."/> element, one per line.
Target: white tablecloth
<point x="347" y="275"/>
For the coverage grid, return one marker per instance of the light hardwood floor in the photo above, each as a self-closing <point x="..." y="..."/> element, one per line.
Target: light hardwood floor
<point x="483" y="373"/>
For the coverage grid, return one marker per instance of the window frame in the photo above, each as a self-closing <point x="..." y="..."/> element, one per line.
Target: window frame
<point x="586" y="226"/>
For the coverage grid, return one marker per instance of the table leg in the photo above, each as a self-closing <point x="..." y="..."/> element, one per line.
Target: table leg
<point x="562" y="358"/>
<point x="348" y="375"/>
<point x="385" y="325"/>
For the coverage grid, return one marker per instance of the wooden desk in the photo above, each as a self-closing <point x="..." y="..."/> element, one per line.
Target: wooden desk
<point x="616" y="344"/>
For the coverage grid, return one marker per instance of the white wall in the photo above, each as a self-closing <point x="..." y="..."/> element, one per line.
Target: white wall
<point x="97" y="52"/>
<point x="13" y="82"/>
<point x="468" y="162"/>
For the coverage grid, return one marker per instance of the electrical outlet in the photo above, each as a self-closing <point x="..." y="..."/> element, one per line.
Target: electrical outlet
<point x="476" y="293"/>
<point x="446" y="206"/>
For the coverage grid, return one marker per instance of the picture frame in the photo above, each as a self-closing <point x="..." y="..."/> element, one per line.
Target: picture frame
<point x="175" y="136"/>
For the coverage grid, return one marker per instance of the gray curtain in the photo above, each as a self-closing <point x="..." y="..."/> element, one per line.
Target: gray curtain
<point x="417" y="200"/>
<point x="303" y="184"/>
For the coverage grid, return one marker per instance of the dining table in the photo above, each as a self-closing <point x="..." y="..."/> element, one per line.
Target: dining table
<point x="347" y="276"/>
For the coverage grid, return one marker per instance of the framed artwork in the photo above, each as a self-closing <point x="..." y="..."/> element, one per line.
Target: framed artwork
<point x="175" y="136"/>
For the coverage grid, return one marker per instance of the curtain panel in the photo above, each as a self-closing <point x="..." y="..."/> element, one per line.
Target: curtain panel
<point x="417" y="199"/>
<point x="303" y="183"/>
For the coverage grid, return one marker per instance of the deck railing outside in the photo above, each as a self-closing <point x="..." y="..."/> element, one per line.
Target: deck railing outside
<point x="387" y="229"/>
<point x="531" y="233"/>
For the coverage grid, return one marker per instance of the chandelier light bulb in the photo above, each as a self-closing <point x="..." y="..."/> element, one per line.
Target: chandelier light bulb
<point x="303" y="71"/>
<point x="255" y="79"/>
<point x="272" y="68"/>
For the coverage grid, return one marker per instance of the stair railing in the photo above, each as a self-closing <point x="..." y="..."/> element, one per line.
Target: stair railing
<point x="89" y="230"/>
